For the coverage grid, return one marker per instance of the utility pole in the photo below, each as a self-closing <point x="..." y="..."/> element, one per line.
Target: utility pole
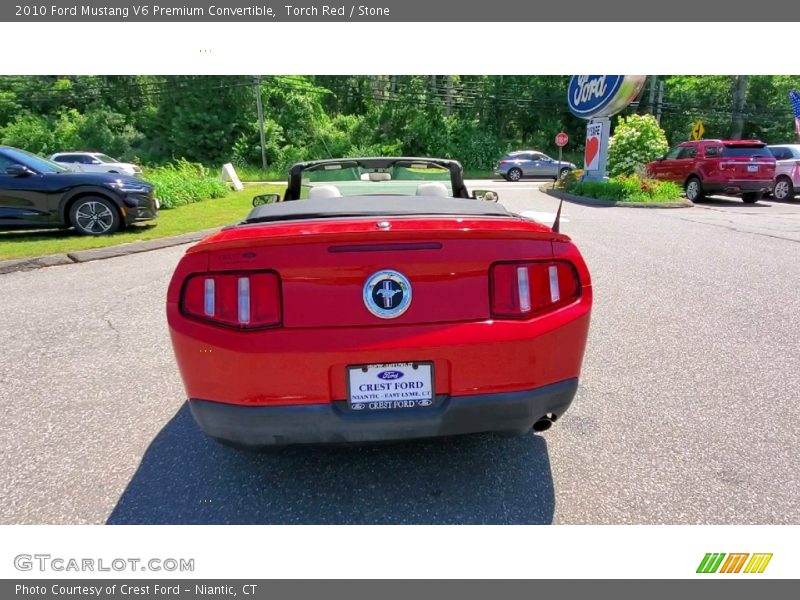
<point x="652" y="100"/>
<point x="261" y="123"/>
<point x="448" y="79"/>
<point x="737" y="114"/>
<point x="660" y="101"/>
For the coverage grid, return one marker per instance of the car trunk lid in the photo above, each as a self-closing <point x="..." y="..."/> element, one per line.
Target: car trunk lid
<point x="325" y="265"/>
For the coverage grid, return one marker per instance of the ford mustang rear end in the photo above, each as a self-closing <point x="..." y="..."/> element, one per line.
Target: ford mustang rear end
<point x="379" y="317"/>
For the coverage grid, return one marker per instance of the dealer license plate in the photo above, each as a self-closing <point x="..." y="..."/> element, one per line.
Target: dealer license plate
<point x="390" y="386"/>
<point x="752" y="168"/>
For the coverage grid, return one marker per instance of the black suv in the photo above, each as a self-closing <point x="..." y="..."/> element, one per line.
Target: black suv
<point x="37" y="193"/>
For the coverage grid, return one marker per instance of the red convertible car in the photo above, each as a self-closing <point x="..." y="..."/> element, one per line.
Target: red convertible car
<point x="378" y="300"/>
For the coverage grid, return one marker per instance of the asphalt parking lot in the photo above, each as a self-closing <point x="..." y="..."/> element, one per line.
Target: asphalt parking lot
<point x="687" y="412"/>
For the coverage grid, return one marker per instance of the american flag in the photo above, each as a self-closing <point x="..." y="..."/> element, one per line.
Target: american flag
<point x="795" y="98"/>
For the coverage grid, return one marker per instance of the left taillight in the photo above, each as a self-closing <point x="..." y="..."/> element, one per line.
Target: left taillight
<point x="247" y="300"/>
<point x="526" y="289"/>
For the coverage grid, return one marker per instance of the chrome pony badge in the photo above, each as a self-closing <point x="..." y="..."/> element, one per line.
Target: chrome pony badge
<point x="387" y="294"/>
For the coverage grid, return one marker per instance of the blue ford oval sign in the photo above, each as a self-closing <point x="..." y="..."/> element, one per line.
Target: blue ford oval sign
<point x="390" y="375"/>
<point x="593" y="96"/>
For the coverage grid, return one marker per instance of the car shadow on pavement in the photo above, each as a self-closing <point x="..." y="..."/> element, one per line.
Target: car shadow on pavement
<point x="735" y="203"/>
<point x="186" y="478"/>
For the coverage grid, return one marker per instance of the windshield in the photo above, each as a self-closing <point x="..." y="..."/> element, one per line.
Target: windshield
<point x="746" y="151"/>
<point x="351" y="178"/>
<point x="105" y="158"/>
<point x="785" y="152"/>
<point x="32" y="161"/>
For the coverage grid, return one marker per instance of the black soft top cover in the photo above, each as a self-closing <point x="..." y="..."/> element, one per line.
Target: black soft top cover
<point x="374" y="206"/>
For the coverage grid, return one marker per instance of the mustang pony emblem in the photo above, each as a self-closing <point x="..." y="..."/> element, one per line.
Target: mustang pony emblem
<point x="387" y="294"/>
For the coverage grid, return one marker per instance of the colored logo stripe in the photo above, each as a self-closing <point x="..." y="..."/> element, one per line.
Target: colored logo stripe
<point x="710" y="563"/>
<point x="733" y="564"/>
<point x="758" y="563"/>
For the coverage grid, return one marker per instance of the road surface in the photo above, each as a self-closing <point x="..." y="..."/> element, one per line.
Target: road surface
<point x="687" y="412"/>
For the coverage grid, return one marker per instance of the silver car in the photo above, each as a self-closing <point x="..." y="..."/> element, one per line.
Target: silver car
<point x="787" y="171"/>
<point x="531" y="163"/>
<point x="95" y="162"/>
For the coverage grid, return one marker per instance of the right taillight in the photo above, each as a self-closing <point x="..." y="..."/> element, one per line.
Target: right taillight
<point x="525" y="289"/>
<point x="247" y="300"/>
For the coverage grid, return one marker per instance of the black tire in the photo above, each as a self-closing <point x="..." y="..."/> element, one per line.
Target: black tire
<point x="94" y="215"/>
<point x="694" y="190"/>
<point x="514" y="174"/>
<point x="563" y="172"/>
<point x="751" y="197"/>
<point x="784" y="189"/>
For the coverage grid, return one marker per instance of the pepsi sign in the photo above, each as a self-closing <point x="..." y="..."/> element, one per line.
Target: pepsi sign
<point x="595" y="96"/>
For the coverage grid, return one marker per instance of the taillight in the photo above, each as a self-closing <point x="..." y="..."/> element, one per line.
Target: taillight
<point x="245" y="300"/>
<point x="526" y="289"/>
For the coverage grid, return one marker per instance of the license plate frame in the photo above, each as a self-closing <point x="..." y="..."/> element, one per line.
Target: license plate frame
<point x="752" y="168"/>
<point x="405" y="398"/>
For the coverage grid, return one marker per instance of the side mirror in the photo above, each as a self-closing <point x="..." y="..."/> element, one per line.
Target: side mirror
<point x="485" y="195"/>
<point x="266" y="199"/>
<point x="18" y="170"/>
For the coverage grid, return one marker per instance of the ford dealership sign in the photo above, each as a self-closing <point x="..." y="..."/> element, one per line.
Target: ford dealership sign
<point x="595" y="96"/>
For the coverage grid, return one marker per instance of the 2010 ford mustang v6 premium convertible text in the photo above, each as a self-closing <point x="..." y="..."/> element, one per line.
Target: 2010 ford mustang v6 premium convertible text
<point x="378" y="300"/>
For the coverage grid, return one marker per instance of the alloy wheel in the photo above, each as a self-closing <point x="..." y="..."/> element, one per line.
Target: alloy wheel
<point x="94" y="217"/>
<point x="692" y="189"/>
<point x="781" y="191"/>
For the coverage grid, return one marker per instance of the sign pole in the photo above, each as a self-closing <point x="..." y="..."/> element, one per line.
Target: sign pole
<point x="560" y="152"/>
<point x="562" y="139"/>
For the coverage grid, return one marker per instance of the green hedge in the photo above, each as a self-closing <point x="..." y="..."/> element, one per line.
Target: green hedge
<point x="184" y="182"/>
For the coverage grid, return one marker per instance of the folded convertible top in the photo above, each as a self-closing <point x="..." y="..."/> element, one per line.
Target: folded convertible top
<point x="374" y="206"/>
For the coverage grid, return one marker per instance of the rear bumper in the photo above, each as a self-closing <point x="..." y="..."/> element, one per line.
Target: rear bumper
<point x="336" y="423"/>
<point x="739" y="187"/>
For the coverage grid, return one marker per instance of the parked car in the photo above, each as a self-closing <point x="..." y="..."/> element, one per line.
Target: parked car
<point x="388" y="303"/>
<point x="531" y="163"/>
<point x="37" y="193"/>
<point x="96" y="162"/>
<point x="743" y="168"/>
<point x="787" y="171"/>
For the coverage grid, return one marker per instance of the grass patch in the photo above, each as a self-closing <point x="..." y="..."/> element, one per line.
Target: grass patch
<point x="250" y="173"/>
<point x="479" y="174"/>
<point x="184" y="219"/>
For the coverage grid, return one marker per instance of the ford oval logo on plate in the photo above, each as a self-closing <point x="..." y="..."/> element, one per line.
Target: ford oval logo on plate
<point x="387" y="294"/>
<point x="390" y="375"/>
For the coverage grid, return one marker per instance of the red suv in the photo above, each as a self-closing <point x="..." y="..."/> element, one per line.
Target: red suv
<point x="743" y="168"/>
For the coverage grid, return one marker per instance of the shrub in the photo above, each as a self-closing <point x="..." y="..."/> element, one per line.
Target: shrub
<point x="570" y="179"/>
<point x="183" y="182"/>
<point x="628" y="189"/>
<point x="637" y="140"/>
